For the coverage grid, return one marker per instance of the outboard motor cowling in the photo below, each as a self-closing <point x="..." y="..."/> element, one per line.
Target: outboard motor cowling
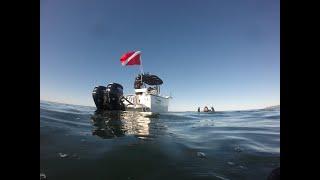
<point x="99" y="95"/>
<point x="108" y="98"/>
<point x="115" y="93"/>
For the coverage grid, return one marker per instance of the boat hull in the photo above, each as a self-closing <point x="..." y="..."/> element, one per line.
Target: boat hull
<point x="148" y="103"/>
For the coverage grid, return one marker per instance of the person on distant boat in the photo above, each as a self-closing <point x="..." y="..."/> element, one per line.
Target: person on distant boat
<point x="198" y="109"/>
<point x="206" y="109"/>
<point x="212" y="109"/>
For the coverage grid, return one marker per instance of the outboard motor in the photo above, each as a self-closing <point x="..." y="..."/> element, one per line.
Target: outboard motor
<point x="108" y="98"/>
<point x="99" y="95"/>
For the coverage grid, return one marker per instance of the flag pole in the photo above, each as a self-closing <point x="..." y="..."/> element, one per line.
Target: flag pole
<point x="141" y="68"/>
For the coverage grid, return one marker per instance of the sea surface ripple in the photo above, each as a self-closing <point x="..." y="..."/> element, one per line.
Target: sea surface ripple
<point x="77" y="143"/>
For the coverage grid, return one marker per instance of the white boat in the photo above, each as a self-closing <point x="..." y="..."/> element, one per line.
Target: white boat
<point x="147" y="97"/>
<point x="147" y="100"/>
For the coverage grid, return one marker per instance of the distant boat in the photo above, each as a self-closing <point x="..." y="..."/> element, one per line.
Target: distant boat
<point x="207" y="110"/>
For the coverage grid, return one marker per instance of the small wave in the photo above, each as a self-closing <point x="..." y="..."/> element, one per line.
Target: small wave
<point x="64" y="121"/>
<point x="66" y="108"/>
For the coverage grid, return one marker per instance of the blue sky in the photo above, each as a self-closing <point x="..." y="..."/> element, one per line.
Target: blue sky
<point x="221" y="53"/>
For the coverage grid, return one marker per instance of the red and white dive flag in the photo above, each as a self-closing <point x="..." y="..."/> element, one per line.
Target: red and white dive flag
<point x="131" y="58"/>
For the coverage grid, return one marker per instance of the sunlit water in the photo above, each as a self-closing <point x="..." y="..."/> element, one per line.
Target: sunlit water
<point x="76" y="143"/>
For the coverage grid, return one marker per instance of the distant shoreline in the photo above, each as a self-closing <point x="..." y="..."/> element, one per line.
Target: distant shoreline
<point x="272" y="107"/>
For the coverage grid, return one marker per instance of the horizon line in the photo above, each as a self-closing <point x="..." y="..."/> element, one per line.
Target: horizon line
<point x="169" y="111"/>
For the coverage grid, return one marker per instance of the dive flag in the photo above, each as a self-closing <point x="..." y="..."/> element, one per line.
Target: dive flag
<point x="130" y="58"/>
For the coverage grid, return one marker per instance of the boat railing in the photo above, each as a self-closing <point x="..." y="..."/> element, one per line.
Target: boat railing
<point x="131" y="98"/>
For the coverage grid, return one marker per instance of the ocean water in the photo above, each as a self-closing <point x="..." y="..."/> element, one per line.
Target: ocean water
<point x="77" y="143"/>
